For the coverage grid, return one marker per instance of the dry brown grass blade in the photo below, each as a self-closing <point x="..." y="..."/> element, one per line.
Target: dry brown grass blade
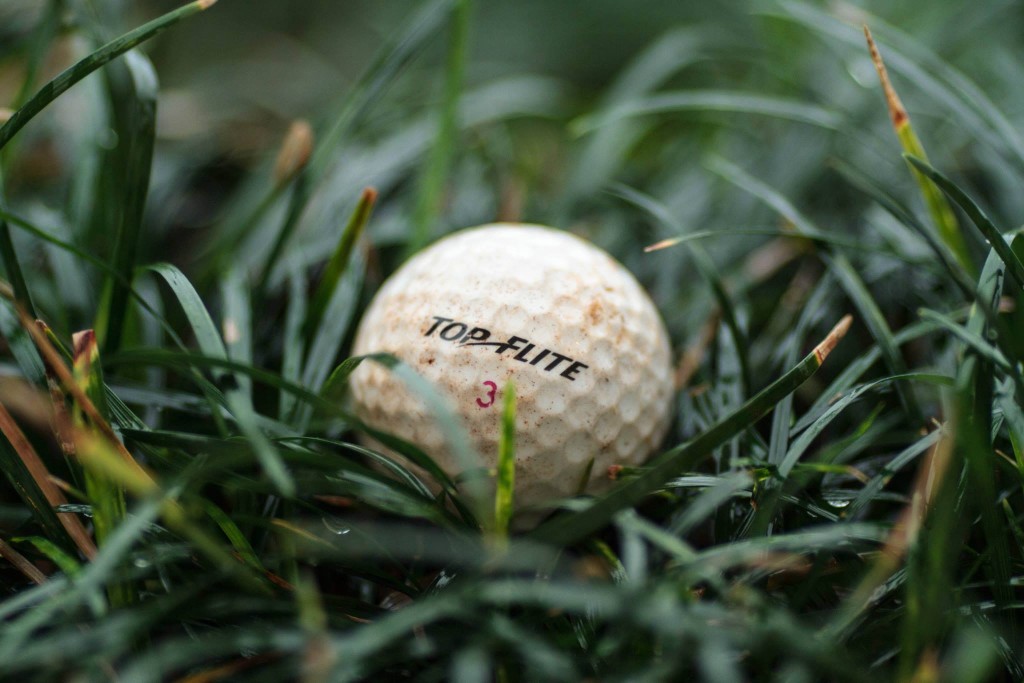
<point x="41" y="476"/>
<point x="21" y="563"/>
<point x="295" y="152"/>
<point x="823" y="349"/>
<point x="691" y="359"/>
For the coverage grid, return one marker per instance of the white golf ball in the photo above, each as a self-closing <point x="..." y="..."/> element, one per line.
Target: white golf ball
<point x="572" y="329"/>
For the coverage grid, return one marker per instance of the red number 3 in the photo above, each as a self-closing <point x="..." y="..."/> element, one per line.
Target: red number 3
<point x="490" y="395"/>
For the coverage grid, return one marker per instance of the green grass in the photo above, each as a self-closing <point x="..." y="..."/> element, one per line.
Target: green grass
<point x="186" y="495"/>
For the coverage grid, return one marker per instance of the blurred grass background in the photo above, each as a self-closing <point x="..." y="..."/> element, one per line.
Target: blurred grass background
<point x="776" y="556"/>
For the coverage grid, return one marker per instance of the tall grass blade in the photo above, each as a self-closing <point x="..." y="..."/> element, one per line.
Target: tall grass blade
<point x="339" y="261"/>
<point x="138" y="104"/>
<point x="434" y="176"/>
<point x="940" y="210"/>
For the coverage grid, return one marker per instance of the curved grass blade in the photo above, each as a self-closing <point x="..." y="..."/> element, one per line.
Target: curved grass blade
<point x="43" y="35"/>
<point x="713" y="100"/>
<point x="112" y="50"/>
<point x="239" y="403"/>
<point x="866" y="184"/>
<point x="186" y="361"/>
<point x="577" y="525"/>
<point x="975" y="387"/>
<point x="988" y="230"/>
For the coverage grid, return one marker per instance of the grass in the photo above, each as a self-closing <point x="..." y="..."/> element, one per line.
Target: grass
<point x="186" y="495"/>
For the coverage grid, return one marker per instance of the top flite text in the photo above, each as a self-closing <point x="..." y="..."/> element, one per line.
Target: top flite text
<point x="462" y="334"/>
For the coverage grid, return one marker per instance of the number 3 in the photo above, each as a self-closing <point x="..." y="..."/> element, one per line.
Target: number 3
<point x="490" y="395"/>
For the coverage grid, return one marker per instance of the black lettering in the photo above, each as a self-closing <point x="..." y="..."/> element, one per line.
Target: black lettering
<point x="477" y="334"/>
<point x="512" y="343"/>
<point x="572" y="370"/>
<point x="540" y="356"/>
<point x="460" y="329"/>
<point x="438" y="320"/>
<point x="521" y="356"/>
<point x="554" y="364"/>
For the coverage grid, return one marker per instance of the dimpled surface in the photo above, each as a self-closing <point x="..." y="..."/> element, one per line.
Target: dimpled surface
<point x="480" y="308"/>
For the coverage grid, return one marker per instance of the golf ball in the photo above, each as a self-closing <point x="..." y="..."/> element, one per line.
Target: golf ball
<point x="571" y="328"/>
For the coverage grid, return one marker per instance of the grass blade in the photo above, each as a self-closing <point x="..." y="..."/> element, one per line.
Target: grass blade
<point x="139" y="113"/>
<point x="390" y="62"/>
<point x="988" y="230"/>
<point x="506" y="479"/>
<point x="435" y="172"/>
<point x="241" y="406"/>
<point x="338" y="262"/>
<point x="31" y="479"/>
<point x="20" y="563"/>
<point x="106" y="496"/>
<point x="712" y="100"/>
<point x="940" y="210"/>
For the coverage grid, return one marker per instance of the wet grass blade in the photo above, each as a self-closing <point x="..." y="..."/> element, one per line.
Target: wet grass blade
<point x="573" y="527"/>
<point x="112" y="50"/>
